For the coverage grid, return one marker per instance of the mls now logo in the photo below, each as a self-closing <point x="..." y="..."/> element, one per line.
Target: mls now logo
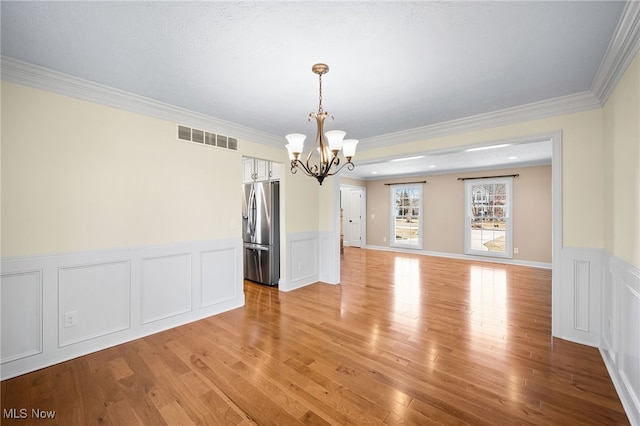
<point x="23" y="413"/>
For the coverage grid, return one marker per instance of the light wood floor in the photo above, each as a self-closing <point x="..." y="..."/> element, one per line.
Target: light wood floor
<point x="405" y="339"/>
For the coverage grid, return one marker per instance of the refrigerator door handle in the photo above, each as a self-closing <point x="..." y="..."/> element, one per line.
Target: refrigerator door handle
<point x="252" y="212"/>
<point x="258" y="254"/>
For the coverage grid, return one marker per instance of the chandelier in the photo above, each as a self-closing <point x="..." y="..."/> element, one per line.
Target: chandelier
<point x="327" y="145"/>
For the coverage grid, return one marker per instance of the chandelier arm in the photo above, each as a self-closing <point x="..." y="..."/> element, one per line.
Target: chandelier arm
<point x="335" y="161"/>
<point x="297" y="164"/>
<point x="350" y="166"/>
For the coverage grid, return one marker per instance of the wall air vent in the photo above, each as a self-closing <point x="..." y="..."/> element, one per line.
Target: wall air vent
<point x="206" y="138"/>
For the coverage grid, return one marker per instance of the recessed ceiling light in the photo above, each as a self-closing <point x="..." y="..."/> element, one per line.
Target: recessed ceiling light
<point x="408" y="158"/>
<point x="374" y="172"/>
<point x="482" y="148"/>
<point x="431" y="166"/>
<point x="512" y="158"/>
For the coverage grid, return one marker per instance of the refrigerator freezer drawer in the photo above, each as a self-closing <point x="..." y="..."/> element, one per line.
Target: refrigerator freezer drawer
<point x="260" y="265"/>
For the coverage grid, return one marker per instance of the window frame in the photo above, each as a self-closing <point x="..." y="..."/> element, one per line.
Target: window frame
<point x="392" y="216"/>
<point x="508" y="217"/>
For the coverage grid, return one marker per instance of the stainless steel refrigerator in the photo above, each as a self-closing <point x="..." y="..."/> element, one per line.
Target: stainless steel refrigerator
<point x="261" y="231"/>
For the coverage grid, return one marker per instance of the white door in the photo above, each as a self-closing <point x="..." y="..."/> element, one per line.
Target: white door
<point x="354" y="217"/>
<point x="344" y="204"/>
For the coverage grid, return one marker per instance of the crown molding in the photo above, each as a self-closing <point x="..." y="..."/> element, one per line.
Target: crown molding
<point x="622" y="49"/>
<point x="15" y="71"/>
<point x="558" y="106"/>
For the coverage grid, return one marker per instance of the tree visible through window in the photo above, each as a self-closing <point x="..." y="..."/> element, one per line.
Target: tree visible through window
<point x="406" y="216"/>
<point x="488" y="226"/>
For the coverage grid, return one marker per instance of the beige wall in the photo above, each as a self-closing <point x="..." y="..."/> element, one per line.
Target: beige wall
<point x="622" y="168"/>
<point x="352" y="182"/>
<point x="81" y="176"/>
<point x="302" y="193"/>
<point x="444" y="212"/>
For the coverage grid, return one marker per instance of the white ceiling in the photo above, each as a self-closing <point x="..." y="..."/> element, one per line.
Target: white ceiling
<point x="394" y="66"/>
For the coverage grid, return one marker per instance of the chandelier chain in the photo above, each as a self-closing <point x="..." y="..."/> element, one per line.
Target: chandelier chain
<point x="320" y="110"/>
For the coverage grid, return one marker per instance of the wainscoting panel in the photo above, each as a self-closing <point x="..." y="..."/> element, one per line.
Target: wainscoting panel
<point x="330" y="257"/>
<point x="218" y="276"/>
<point x="581" y="286"/>
<point x="303" y="260"/>
<point x="21" y="297"/>
<point x="99" y="298"/>
<point x="610" y="309"/>
<point x="165" y="286"/>
<point x="621" y="331"/>
<point x="61" y="306"/>
<point x="630" y="345"/>
<point x="580" y="295"/>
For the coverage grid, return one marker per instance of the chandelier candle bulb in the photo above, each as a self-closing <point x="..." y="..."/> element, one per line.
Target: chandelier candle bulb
<point x="328" y="145"/>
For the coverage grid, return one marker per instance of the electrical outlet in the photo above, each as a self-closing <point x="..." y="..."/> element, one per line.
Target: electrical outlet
<point x="300" y="267"/>
<point x="70" y="319"/>
<point x="516" y="251"/>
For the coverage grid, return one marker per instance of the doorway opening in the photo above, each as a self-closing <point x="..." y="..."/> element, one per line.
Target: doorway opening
<point x="556" y="220"/>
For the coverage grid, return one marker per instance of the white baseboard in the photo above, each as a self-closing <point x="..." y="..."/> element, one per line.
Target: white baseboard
<point x="532" y="264"/>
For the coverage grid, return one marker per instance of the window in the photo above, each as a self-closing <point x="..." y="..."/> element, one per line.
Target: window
<point x="488" y="227"/>
<point x="406" y="216"/>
